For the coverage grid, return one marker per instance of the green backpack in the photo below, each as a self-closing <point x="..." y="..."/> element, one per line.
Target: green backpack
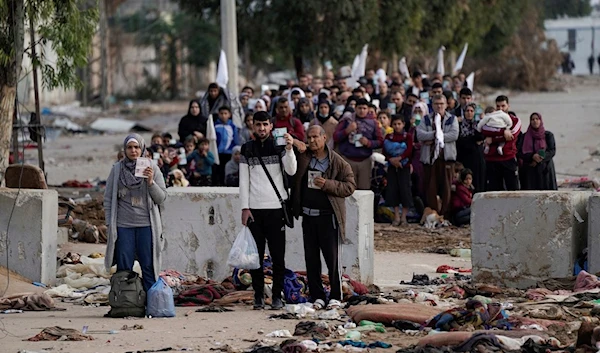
<point x="127" y="296"/>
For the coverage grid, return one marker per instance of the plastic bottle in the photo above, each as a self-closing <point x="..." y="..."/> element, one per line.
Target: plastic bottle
<point x="182" y="156"/>
<point x="353" y="335"/>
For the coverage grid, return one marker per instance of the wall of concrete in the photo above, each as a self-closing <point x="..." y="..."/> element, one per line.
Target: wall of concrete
<point x="594" y="234"/>
<point x="519" y="238"/>
<point x="200" y="225"/>
<point x="31" y="238"/>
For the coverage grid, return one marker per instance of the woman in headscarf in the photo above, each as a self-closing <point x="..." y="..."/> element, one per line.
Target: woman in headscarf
<point x="193" y="124"/>
<point x="350" y="104"/>
<point x="325" y="118"/>
<point x="469" y="147"/>
<point x="535" y="150"/>
<point x="131" y="206"/>
<point x="260" y="106"/>
<point x="303" y="111"/>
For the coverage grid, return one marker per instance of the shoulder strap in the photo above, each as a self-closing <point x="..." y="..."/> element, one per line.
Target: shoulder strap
<point x="262" y="163"/>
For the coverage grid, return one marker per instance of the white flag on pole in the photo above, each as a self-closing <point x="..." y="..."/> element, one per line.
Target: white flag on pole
<point x="470" y="80"/>
<point x="404" y="68"/>
<point x="222" y="73"/>
<point x="211" y="135"/>
<point x="440" y="64"/>
<point x="360" y="66"/>
<point x="461" y="59"/>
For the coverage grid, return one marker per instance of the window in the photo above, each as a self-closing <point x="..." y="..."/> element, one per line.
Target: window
<point x="572" y="39"/>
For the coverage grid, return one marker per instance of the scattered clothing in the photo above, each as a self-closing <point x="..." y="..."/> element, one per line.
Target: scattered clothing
<point x="64" y="334"/>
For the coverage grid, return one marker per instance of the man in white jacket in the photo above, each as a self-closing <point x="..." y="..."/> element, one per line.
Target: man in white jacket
<point x="261" y="210"/>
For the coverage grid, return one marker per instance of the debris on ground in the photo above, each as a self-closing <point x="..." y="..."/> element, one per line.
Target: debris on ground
<point x="57" y="333"/>
<point x="415" y="238"/>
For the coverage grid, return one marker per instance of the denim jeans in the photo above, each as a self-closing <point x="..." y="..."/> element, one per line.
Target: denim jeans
<point x="135" y="243"/>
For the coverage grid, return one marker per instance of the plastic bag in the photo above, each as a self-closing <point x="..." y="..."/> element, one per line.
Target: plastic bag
<point x="244" y="253"/>
<point x="160" y="300"/>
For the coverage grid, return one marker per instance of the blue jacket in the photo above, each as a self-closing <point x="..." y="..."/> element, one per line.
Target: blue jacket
<point x="200" y="164"/>
<point x="227" y="136"/>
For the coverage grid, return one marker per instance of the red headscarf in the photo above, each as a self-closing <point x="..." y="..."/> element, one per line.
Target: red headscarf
<point x="535" y="139"/>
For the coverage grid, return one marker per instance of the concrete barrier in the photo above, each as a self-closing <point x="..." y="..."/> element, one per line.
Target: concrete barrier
<point x="594" y="233"/>
<point x="31" y="243"/>
<point x="200" y="225"/>
<point x="519" y="238"/>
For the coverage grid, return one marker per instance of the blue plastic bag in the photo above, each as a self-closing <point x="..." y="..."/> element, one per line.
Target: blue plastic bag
<point x="160" y="300"/>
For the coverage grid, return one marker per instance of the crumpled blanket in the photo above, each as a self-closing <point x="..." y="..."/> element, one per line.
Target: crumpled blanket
<point x="585" y="281"/>
<point x="200" y="295"/>
<point x="475" y="313"/>
<point x="56" y="332"/>
<point x="29" y="302"/>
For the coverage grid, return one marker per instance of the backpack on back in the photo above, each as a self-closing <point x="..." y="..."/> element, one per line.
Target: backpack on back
<point x="127" y="296"/>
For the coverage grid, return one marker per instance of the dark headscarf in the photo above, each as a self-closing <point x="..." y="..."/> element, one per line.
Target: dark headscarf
<point x="303" y="117"/>
<point x="323" y="119"/>
<point x="190" y="123"/>
<point x="127" y="175"/>
<point x="468" y="127"/>
<point x="534" y="139"/>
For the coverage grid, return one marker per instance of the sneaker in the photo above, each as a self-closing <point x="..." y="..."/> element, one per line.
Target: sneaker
<point x="319" y="304"/>
<point x="259" y="303"/>
<point x="334" y="304"/>
<point x="276" y="304"/>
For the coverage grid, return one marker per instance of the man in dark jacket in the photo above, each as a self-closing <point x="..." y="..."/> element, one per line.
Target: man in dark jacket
<point x="465" y="98"/>
<point x="217" y="97"/>
<point x="357" y="135"/>
<point x="322" y="182"/>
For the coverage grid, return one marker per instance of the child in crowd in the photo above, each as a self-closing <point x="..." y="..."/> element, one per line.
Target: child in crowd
<point x="200" y="164"/>
<point x="462" y="198"/>
<point x="497" y="120"/>
<point x="120" y="156"/>
<point x="384" y="120"/>
<point x="157" y="140"/>
<point x="397" y="148"/>
<point x="232" y="168"/>
<point x="227" y="139"/>
<point x="190" y="145"/>
<point x="246" y="133"/>
<point x="167" y="138"/>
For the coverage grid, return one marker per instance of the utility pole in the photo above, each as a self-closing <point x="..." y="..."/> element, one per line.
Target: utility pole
<point x="36" y="94"/>
<point x="103" y="54"/>
<point x="229" y="42"/>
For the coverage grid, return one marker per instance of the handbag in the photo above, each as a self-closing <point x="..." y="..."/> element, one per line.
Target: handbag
<point x="286" y="205"/>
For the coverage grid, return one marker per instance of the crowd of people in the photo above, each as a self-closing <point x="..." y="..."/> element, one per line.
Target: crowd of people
<point x="417" y="141"/>
<point x="420" y="143"/>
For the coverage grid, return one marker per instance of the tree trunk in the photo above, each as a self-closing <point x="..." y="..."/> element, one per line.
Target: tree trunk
<point x="9" y="76"/>
<point x="173" y="61"/>
<point x="299" y="65"/>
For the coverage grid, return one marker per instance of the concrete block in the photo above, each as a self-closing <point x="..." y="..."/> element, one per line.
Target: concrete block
<point x="594" y="233"/>
<point x="31" y="239"/>
<point x="519" y="238"/>
<point x="62" y="236"/>
<point x="200" y="225"/>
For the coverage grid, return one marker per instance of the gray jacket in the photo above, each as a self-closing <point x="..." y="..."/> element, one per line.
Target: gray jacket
<point x="157" y="194"/>
<point x="426" y="132"/>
